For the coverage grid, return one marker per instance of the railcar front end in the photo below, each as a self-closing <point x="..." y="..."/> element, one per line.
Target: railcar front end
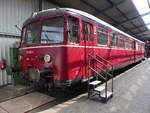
<point x="45" y="54"/>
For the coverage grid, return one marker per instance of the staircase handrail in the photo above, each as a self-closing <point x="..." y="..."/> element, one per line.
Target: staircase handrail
<point x="97" y="60"/>
<point x="105" y="71"/>
<point x="105" y="60"/>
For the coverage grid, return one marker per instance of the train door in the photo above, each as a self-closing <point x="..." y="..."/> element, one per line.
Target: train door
<point x="135" y="50"/>
<point x="87" y="40"/>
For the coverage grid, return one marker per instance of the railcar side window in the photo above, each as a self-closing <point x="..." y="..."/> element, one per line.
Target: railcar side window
<point x="73" y="25"/>
<point x="136" y="46"/>
<point x="143" y="47"/>
<point x="52" y="30"/>
<point x="127" y="43"/>
<point x="113" y="40"/>
<point x="139" y="46"/>
<point x="87" y="31"/>
<point x="90" y="30"/>
<point x="102" y="36"/>
<point x="131" y="44"/>
<point x="121" y="41"/>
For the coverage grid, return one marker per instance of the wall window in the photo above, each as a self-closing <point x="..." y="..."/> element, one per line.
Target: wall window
<point x="87" y="32"/>
<point x="102" y="36"/>
<point x="73" y="25"/>
<point x="121" y="42"/>
<point x="113" y="40"/>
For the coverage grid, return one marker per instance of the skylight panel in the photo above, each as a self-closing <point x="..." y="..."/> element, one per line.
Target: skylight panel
<point x="148" y="26"/>
<point x="142" y="6"/>
<point x="146" y="19"/>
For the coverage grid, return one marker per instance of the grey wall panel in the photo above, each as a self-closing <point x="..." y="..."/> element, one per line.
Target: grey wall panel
<point x="15" y="12"/>
<point x="5" y="44"/>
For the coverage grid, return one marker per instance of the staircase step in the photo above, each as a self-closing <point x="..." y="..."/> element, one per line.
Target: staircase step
<point x="99" y="88"/>
<point x="108" y="94"/>
<point x="94" y="83"/>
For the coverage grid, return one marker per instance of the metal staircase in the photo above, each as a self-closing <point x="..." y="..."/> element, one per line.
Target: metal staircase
<point x="97" y="68"/>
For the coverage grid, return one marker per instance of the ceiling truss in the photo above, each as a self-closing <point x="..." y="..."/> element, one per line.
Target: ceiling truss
<point x="129" y="24"/>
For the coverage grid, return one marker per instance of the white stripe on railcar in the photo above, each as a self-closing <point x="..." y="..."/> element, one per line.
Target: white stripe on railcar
<point x="70" y="46"/>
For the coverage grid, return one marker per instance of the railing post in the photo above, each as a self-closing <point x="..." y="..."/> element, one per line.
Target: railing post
<point x="112" y="79"/>
<point x="88" y="75"/>
<point x="97" y="71"/>
<point x="106" y="89"/>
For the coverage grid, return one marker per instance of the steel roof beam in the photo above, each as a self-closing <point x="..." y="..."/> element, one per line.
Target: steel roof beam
<point x="143" y="25"/>
<point x="145" y="38"/>
<point x="57" y="3"/>
<point x="130" y="19"/>
<point x="140" y="32"/>
<point x="108" y="8"/>
<point x="123" y="14"/>
<point x="136" y="27"/>
<point x="97" y="10"/>
<point x="144" y="35"/>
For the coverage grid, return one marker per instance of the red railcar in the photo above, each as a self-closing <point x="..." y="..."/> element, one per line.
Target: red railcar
<point x="56" y="42"/>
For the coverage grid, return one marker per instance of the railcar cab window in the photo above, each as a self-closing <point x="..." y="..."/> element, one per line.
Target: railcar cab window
<point x="87" y="31"/>
<point x="102" y="36"/>
<point x="32" y="33"/>
<point x="73" y="30"/>
<point x="23" y="36"/>
<point x="52" y="30"/>
<point x="113" y="40"/>
<point x="121" y="42"/>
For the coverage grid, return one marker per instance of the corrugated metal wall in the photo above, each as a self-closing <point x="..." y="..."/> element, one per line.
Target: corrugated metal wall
<point x="5" y="44"/>
<point x="15" y="12"/>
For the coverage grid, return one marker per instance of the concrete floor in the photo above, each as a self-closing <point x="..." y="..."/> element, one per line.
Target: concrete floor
<point x="131" y="95"/>
<point x="10" y="91"/>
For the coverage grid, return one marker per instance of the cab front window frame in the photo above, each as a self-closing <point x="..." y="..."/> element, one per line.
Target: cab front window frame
<point x="32" y="35"/>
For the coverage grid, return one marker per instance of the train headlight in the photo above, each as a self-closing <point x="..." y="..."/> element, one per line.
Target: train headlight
<point x="47" y="58"/>
<point x="19" y="57"/>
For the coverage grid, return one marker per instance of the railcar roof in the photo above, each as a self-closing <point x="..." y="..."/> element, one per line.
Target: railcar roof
<point x="54" y="11"/>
